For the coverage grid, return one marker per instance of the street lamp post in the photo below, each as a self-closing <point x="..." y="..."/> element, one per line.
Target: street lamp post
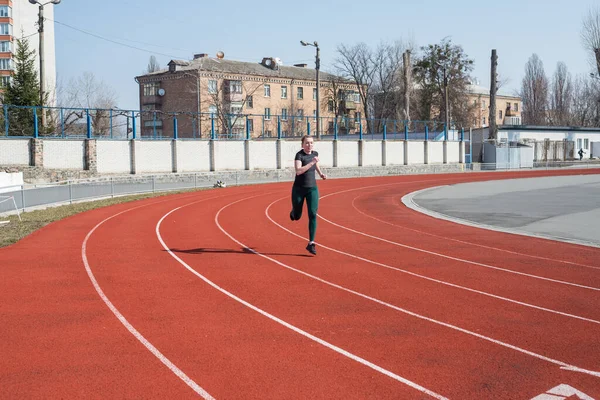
<point x="317" y="67"/>
<point x="41" y="51"/>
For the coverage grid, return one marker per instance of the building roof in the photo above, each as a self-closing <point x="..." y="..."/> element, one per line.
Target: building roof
<point x="210" y="64"/>
<point x="485" y="91"/>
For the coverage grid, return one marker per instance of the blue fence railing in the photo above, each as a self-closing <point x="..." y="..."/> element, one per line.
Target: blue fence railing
<point x="19" y="121"/>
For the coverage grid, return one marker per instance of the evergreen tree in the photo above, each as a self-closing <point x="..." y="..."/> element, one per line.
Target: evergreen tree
<point x="22" y="90"/>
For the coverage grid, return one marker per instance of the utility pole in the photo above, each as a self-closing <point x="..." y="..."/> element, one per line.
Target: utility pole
<point x="317" y="67"/>
<point x="407" y="80"/>
<point x="447" y="109"/>
<point x="41" y="37"/>
<point x="493" y="89"/>
<point x="41" y="53"/>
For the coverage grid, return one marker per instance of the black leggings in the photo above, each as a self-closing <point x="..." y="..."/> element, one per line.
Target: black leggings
<point x="311" y="194"/>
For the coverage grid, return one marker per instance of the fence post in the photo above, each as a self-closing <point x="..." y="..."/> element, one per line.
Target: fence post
<point x="384" y="130"/>
<point x="110" y="117"/>
<point x="335" y="130"/>
<point x="278" y="127"/>
<point x="35" y="123"/>
<point x="426" y="133"/>
<point x="133" y="131"/>
<point x="175" y="131"/>
<point x="89" y="123"/>
<point x="462" y="134"/>
<point x="360" y="129"/>
<point x="405" y="131"/>
<point x="247" y="128"/>
<point x="445" y="132"/>
<point x="212" y="126"/>
<point x="5" y="118"/>
<point x="307" y="126"/>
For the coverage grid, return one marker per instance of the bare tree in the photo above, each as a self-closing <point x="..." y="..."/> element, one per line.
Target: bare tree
<point x="229" y="98"/>
<point x="357" y="63"/>
<point x="86" y="94"/>
<point x="534" y="92"/>
<point x="561" y="96"/>
<point x="590" y="35"/>
<point x="153" y="65"/>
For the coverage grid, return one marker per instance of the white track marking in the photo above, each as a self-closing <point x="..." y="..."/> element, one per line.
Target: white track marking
<point x="443" y="255"/>
<point x="432" y="279"/>
<point x="172" y="367"/>
<point x="433" y="253"/>
<point x="470" y="243"/>
<point x="561" y="364"/>
<point x="278" y="320"/>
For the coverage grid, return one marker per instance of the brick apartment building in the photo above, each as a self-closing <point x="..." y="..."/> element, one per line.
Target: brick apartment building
<point x="506" y="106"/>
<point x="20" y="18"/>
<point x="233" y="97"/>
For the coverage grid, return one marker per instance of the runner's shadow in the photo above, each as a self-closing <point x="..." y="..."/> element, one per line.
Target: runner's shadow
<point x="245" y="250"/>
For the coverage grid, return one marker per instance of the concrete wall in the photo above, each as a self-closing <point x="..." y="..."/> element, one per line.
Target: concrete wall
<point x="14" y="152"/>
<point x="64" y="154"/>
<point x="114" y="156"/>
<point x="168" y="156"/>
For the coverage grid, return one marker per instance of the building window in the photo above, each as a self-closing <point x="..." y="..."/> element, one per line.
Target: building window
<point x="5" y="29"/>
<point x="284" y="114"/>
<point x="249" y="102"/>
<point x="212" y="86"/>
<point x="267" y="90"/>
<point x="516" y="107"/>
<point x="212" y="109"/>
<point x="5" y="63"/>
<point x="151" y="89"/>
<point x="5" y="11"/>
<point x="284" y="92"/>
<point x="236" y="109"/>
<point x="5" y="47"/>
<point x="300" y="93"/>
<point x="483" y="105"/>
<point x="250" y="125"/>
<point x="267" y="113"/>
<point x="330" y="106"/>
<point x="300" y="113"/>
<point x="314" y="93"/>
<point x="357" y="117"/>
<point x="314" y="114"/>
<point x="5" y="80"/>
<point x="500" y="114"/>
<point x="235" y="86"/>
<point x="579" y="143"/>
<point x="586" y="143"/>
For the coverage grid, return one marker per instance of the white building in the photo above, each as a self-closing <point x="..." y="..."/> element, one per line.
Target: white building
<point x="19" y="18"/>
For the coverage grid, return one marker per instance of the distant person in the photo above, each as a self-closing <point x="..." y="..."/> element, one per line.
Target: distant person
<point x="306" y="163"/>
<point x="581" y="152"/>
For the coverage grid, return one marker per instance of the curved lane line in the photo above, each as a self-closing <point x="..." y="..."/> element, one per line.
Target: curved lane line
<point x="446" y="256"/>
<point x="278" y="320"/>
<point x="561" y="364"/>
<point x="463" y="242"/>
<point x="433" y="279"/>
<point x="172" y="367"/>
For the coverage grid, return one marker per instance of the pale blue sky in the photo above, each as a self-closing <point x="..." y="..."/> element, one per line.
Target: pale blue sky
<point x="178" y="29"/>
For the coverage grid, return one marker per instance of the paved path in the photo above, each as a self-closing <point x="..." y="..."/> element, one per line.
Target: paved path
<point x="565" y="208"/>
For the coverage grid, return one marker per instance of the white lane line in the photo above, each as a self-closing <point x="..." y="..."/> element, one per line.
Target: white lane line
<point x="461" y="259"/>
<point x="469" y="243"/>
<point x="446" y="256"/>
<point x="278" y="320"/>
<point x="561" y="364"/>
<point x="433" y="279"/>
<point x="170" y="365"/>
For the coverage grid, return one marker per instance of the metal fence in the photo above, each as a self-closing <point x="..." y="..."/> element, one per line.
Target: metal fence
<point x="19" y="121"/>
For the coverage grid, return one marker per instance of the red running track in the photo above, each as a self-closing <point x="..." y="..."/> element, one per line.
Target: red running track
<point x="211" y="294"/>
